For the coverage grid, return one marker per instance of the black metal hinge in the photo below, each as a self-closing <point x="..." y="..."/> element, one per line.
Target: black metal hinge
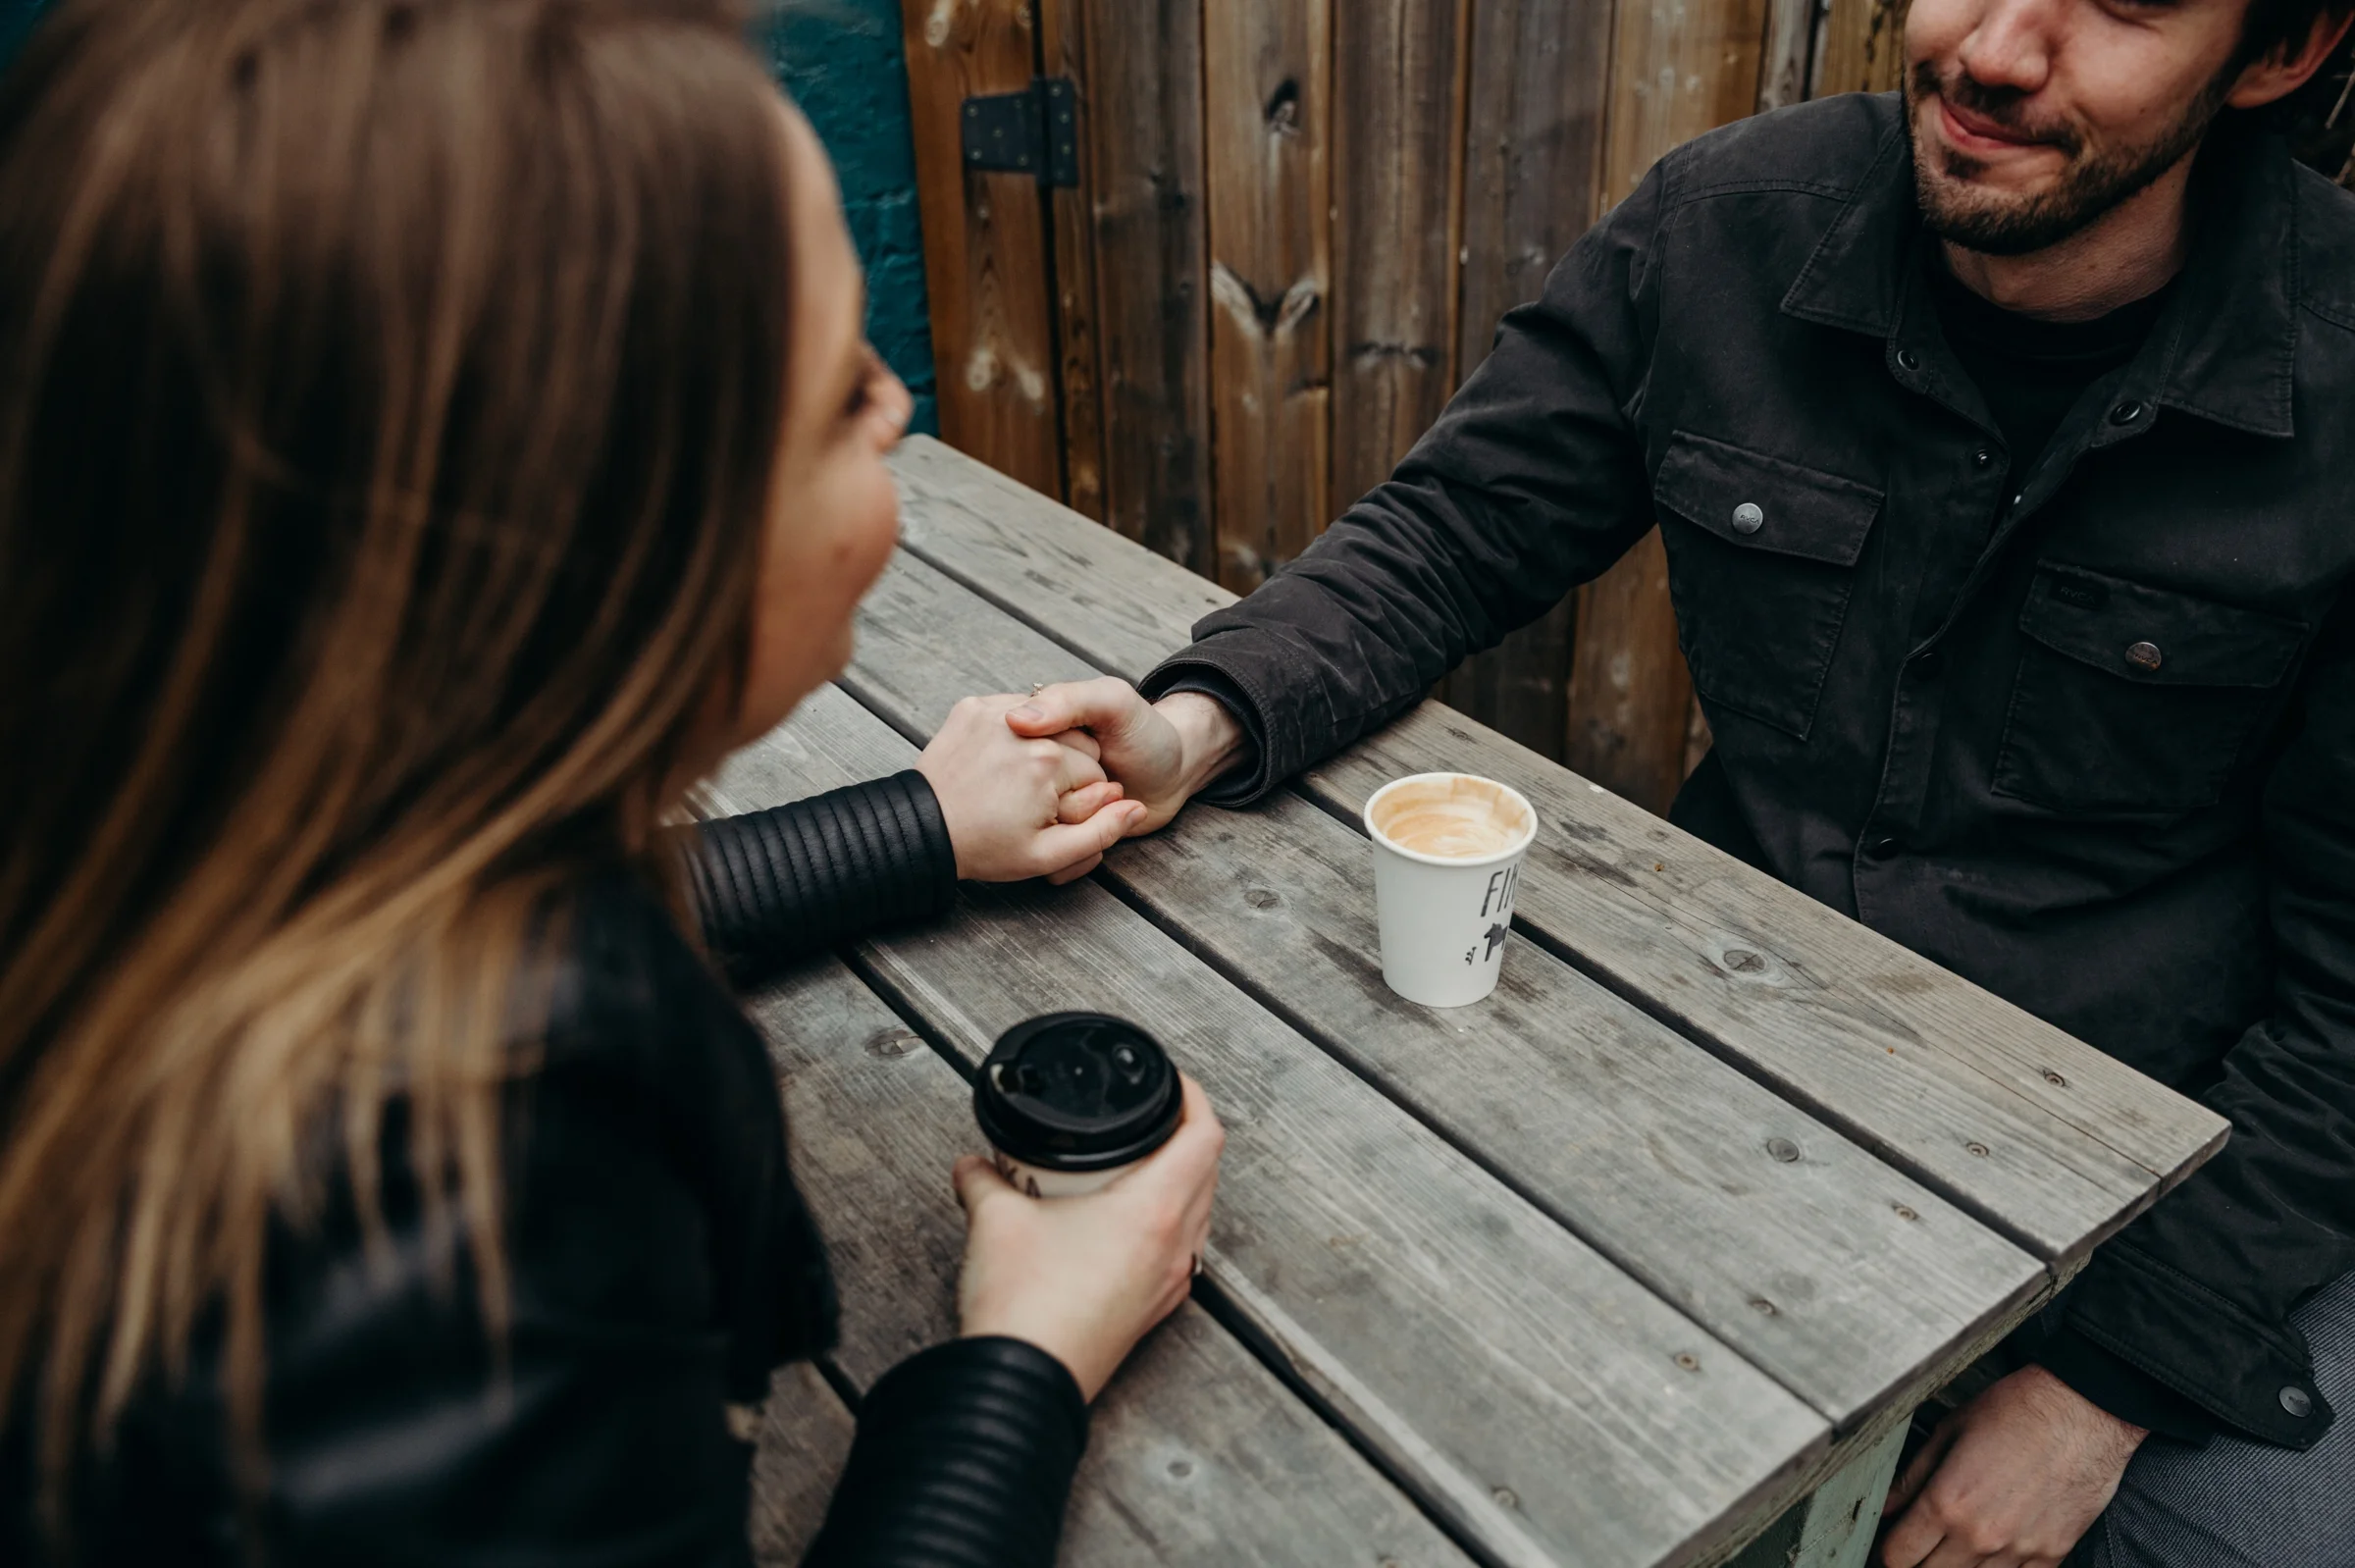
<point x="1035" y="132"/>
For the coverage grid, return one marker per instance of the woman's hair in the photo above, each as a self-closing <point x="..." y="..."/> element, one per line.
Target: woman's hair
<point x="388" y="397"/>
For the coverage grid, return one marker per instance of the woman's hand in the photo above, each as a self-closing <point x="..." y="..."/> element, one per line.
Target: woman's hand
<point x="1017" y="807"/>
<point x="1160" y="753"/>
<point x="1083" y="1278"/>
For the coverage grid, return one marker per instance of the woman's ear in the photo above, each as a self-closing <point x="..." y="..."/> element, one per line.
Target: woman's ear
<point x="2283" y="69"/>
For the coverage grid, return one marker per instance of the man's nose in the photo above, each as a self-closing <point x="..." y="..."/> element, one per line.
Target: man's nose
<point x="2012" y="47"/>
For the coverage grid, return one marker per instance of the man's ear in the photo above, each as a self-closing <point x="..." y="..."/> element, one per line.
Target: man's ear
<point x="2284" y="69"/>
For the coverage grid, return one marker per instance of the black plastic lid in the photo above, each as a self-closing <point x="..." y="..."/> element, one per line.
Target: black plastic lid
<point x="1077" y="1091"/>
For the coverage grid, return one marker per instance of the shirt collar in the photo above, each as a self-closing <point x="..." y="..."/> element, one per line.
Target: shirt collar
<point x="2226" y="341"/>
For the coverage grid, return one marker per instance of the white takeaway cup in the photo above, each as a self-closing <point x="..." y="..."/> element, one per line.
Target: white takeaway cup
<point x="1447" y="854"/>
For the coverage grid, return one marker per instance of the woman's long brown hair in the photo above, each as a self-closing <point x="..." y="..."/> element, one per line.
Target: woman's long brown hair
<point x="389" y="394"/>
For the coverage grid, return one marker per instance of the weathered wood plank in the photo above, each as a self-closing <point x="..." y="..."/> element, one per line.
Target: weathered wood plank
<point x="804" y="1437"/>
<point x="1398" y="67"/>
<point x="1268" y="108"/>
<point x="1196" y="1454"/>
<point x="1533" y="153"/>
<point x="1072" y="238"/>
<point x="1788" y="53"/>
<point x="1630" y="691"/>
<point x="1859" y="47"/>
<point x="1481" y="1350"/>
<point x="1913" y="1061"/>
<point x="1539" y="75"/>
<point x="1848" y="1282"/>
<point x="1143" y="81"/>
<point x="1679" y="69"/>
<point x="985" y="242"/>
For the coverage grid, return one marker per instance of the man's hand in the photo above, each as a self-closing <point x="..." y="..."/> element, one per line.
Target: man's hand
<point x="1160" y="753"/>
<point x="1019" y="808"/>
<point x="2012" y="1480"/>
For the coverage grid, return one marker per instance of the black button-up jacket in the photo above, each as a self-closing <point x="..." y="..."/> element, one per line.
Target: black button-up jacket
<point x="2091" y="745"/>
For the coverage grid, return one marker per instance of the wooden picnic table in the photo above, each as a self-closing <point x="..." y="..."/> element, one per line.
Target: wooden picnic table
<point x="1647" y="1258"/>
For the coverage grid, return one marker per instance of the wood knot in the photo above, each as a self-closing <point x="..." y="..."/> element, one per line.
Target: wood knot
<point x="1284" y="108"/>
<point x="1260" y="898"/>
<point x="1742" y="960"/>
<point x="892" y="1043"/>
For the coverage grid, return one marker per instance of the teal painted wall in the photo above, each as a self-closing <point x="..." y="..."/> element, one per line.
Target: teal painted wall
<point x="840" y="59"/>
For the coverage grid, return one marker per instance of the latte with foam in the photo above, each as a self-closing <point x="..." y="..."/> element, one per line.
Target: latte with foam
<point x="1455" y="817"/>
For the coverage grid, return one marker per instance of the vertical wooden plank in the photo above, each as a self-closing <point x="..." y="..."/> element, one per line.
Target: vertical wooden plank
<point x="1679" y="68"/>
<point x="1859" y="47"/>
<point x="1788" y="54"/>
<point x="1538" y="85"/>
<point x="1629" y="688"/>
<point x="1397" y="69"/>
<point x="985" y="242"/>
<point x="1143" y="70"/>
<point x="1266" y="110"/>
<point x="1072" y="235"/>
<point x="1537" y="79"/>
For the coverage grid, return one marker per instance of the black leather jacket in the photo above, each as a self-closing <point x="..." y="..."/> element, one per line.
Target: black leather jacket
<point x="662" y="1266"/>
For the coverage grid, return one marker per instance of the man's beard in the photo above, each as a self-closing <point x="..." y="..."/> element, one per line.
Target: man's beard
<point x="2090" y="185"/>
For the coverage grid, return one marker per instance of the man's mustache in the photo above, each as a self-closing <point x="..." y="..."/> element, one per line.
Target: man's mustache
<point x="1999" y="104"/>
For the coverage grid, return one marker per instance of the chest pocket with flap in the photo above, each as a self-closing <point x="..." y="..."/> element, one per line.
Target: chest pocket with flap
<point x="1761" y="577"/>
<point x="2134" y="699"/>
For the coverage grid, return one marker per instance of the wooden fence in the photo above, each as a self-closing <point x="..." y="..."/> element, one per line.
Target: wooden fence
<point x="1294" y="227"/>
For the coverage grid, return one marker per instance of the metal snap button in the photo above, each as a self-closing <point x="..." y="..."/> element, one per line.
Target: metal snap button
<point x="2126" y="413"/>
<point x="2143" y="656"/>
<point x="1749" y="518"/>
<point x="1984" y="457"/>
<point x="2297" y="1401"/>
<point x="1881" y="849"/>
<point x="1907" y="359"/>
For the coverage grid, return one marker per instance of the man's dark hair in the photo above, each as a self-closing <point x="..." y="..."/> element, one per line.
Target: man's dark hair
<point x="2284" y="24"/>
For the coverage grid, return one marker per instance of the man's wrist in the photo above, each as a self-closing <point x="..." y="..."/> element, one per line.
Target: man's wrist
<point x="1211" y="740"/>
<point x="2117" y="1435"/>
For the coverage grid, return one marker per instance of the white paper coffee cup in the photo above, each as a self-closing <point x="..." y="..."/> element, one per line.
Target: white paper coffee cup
<point x="1445" y="908"/>
<point x="1041" y="1183"/>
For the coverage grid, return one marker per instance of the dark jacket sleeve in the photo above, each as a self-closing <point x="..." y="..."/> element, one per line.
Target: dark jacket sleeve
<point x="2199" y="1291"/>
<point x="1531" y="481"/>
<point x="771" y="886"/>
<point x="964" y="1459"/>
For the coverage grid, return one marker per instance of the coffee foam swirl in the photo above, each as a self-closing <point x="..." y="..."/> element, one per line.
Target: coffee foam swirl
<point x="1454" y="817"/>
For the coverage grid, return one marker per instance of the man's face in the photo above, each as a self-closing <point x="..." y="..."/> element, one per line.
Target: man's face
<point x="2033" y="118"/>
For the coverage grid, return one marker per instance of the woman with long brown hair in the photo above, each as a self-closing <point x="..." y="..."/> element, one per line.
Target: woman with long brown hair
<point x="432" y="433"/>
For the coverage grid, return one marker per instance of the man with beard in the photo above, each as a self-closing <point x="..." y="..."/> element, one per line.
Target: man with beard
<point x="2001" y="438"/>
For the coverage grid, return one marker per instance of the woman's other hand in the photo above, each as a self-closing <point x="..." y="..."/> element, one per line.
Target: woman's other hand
<point x="1083" y="1278"/>
<point x="1020" y="808"/>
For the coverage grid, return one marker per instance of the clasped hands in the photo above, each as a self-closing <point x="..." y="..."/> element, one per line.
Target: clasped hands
<point x="1041" y="786"/>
